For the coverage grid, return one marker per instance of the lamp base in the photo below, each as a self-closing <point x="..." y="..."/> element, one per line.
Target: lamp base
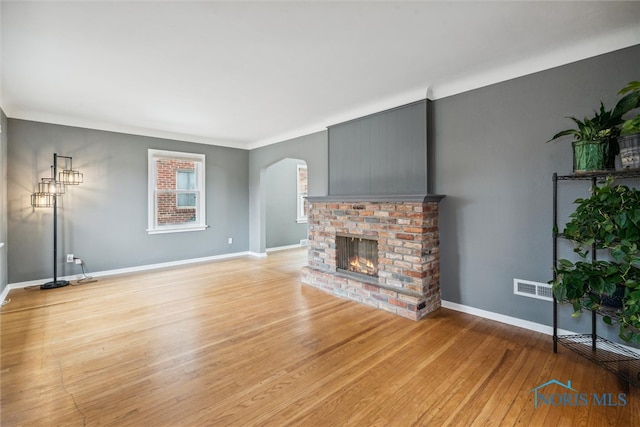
<point x="54" y="284"/>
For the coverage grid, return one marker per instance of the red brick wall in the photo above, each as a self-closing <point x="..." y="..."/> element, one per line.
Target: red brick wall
<point x="408" y="282"/>
<point x="167" y="210"/>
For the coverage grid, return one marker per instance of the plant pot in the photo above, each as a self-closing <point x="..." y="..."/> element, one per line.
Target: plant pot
<point x="592" y="156"/>
<point x="630" y="151"/>
<point x="615" y="300"/>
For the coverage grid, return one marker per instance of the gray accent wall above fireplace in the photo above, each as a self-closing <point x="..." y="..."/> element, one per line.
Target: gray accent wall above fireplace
<point x="380" y="154"/>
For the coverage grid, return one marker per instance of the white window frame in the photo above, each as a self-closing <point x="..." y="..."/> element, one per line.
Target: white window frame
<point x="301" y="218"/>
<point x="185" y="190"/>
<point x="152" y="225"/>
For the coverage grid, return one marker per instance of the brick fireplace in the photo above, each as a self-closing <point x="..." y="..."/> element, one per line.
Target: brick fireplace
<point x="404" y="277"/>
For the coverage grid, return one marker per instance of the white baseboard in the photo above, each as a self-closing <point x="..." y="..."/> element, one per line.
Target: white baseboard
<point x="514" y="321"/>
<point x="5" y="292"/>
<point x="283" y="248"/>
<point x="130" y="270"/>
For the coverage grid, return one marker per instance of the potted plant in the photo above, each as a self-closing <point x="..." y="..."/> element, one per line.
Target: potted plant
<point x="609" y="221"/>
<point x="595" y="139"/>
<point x="629" y="139"/>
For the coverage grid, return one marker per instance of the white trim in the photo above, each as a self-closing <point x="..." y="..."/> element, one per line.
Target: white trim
<point x="176" y="230"/>
<point x="178" y="155"/>
<point x="300" y="197"/>
<point x="514" y="321"/>
<point x="5" y="292"/>
<point x="257" y="254"/>
<point x="64" y="120"/>
<point x="284" y="248"/>
<point x="130" y="269"/>
<point x="567" y="54"/>
<point x="563" y="55"/>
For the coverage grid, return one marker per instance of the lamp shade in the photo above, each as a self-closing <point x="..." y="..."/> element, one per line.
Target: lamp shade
<point x="49" y="185"/>
<point x="42" y="200"/>
<point x="70" y="177"/>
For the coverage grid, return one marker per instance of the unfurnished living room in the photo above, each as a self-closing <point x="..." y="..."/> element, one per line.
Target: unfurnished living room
<point x="319" y="213"/>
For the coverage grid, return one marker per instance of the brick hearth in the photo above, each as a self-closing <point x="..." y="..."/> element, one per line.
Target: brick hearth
<point x="406" y="228"/>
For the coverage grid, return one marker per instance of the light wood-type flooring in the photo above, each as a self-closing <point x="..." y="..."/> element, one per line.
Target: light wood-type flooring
<point x="242" y="342"/>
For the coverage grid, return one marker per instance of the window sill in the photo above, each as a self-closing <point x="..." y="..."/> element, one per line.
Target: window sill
<point x="177" y="229"/>
<point x="302" y="221"/>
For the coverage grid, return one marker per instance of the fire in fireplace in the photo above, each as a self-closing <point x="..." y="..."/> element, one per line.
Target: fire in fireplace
<point x="357" y="254"/>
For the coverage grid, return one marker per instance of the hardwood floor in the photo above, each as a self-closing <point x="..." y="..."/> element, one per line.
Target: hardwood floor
<point x="241" y="342"/>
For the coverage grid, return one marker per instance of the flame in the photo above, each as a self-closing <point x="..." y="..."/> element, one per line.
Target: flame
<point x="362" y="265"/>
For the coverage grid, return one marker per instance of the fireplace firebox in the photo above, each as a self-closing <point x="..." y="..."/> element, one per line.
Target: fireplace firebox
<point x="356" y="254"/>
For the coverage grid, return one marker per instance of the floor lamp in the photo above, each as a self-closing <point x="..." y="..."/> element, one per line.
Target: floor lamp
<point x="49" y="189"/>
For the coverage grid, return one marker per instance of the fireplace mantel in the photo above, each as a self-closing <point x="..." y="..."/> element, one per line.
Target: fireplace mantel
<point x="417" y="198"/>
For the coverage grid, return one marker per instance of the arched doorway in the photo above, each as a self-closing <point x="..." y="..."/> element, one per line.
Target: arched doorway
<point x="285" y="186"/>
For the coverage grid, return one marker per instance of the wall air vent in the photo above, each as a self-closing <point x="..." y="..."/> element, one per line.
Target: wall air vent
<point x="530" y="289"/>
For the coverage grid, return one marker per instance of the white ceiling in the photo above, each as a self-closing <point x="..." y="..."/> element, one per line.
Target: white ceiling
<point x="247" y="74"/>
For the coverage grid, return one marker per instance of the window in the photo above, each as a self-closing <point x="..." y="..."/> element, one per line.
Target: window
<point x="302" y="205"/>
<point x="186" y="180"/>
<point x="176" y="192"/>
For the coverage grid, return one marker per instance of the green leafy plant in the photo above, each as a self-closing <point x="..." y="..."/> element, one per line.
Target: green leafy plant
<point x="629" y="102"/>
<point x="609" y="220"/>
<point x="601" y="126"/>
<point x="595" y="140"/>
<point x="630" y="127"/>
<point x="583" y="283"/>
<point x="608" y="123"/>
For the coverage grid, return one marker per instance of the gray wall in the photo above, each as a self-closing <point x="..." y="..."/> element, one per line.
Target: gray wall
<point x="493" y="165"/>
<point x="380" y="154"/>
<point x="3" y="201"/>
<point x="104" y="220"/>
<point x="310" y="148"/>
<point x="282" y="228"/>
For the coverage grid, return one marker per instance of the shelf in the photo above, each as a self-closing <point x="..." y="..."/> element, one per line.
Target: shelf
<point x="614" y="357"/>
<point x="609" y="355"/>
<point x="631" y="173"/>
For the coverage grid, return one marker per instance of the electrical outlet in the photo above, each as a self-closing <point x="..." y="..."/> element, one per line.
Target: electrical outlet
<point x="78" y="261"/>
<point x="69" y="257"/>
<point x="230" y="240"/>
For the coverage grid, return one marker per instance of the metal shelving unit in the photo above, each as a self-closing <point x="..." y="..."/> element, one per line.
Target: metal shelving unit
<point x="612" y="356"/>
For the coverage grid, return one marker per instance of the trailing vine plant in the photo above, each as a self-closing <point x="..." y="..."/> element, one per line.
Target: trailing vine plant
<point x="609" y="221"/>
